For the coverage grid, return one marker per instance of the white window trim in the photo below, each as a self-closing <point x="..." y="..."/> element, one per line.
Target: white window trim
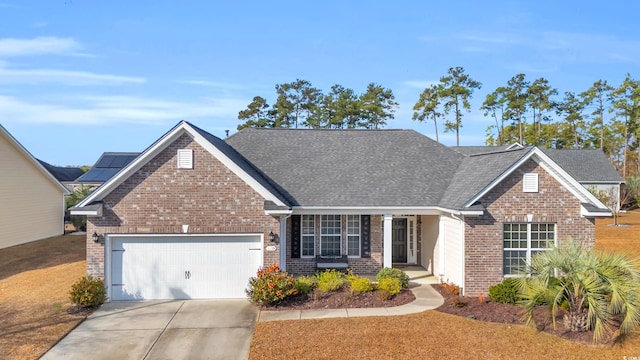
<point x="322" y="235"/>
<point x="302" y="235"/>
<point x="530" y="183"/>
<point x="528" y="249"/>
<point x="358" y="235"/>
<point x="185" y="158"/>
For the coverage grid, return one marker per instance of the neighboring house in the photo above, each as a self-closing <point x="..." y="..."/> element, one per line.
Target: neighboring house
<point x="32" y="206"/>
<point x="65" y="174"/>
<point x="105" y="168"/>
<point x="590" y="167"/>
<point x="194" y="216"/>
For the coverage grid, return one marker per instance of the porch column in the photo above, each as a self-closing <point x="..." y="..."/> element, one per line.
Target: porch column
<point x="386" y="242"/>
<point x="283" y="242"/>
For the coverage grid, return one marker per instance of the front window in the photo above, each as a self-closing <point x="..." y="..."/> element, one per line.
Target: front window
<point x="353" y="235"/>
<point x="308" y="234"/>
<point x="521" y="241"/>
<point x="330" y="235"/>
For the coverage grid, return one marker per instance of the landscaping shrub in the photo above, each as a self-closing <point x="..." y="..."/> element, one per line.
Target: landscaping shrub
<point x="87" y="291"/>
<point x="330" y="280"/>
<point x="394" y="273"/>
<point x="458" y="301"/>
<point x="451" y="288"/>
<point x="505" y="292"/>
<point x="388" y="287"/>
<point x="270" y="286"/>
<point x="306" y="284"/>
<point x="359" y="284"/>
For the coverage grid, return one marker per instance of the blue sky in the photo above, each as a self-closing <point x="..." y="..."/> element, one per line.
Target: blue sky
<point x="78" y="78"/>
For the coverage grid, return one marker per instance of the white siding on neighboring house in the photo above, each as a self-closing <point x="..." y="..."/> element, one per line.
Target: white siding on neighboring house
<point x="452" y="234"/>
<point x="430" y="252"/>
<point x="32" y="204"/>
<point x="607" y="188"/>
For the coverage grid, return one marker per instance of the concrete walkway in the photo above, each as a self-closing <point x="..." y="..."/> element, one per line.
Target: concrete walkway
<point x="427" y="298"/>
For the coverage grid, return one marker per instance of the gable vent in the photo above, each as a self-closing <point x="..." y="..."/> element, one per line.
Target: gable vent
<point x="530" y="183"/>
<point x="185" y="159"/>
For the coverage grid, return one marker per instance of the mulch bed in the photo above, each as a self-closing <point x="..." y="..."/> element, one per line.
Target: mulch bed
<point x="487" y="310"/>
<point x="83" y="311"/>
<point x="340" y="299"/>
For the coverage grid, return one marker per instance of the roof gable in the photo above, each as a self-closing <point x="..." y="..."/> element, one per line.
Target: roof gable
<point x="571" y="184"/>
<point x="212" y="144"/>
<point x="4" y="134"/>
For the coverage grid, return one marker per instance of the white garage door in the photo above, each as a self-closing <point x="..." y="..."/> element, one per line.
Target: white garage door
<point x="183" y="267"/>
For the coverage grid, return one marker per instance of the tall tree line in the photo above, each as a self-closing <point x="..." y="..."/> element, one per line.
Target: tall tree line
<point x="299" y="104"/>
<point x="604" y="116"/>
<point x="528" y="112"/>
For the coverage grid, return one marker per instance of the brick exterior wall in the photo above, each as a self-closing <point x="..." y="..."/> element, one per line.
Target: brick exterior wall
<point x="159" y="198"/>
<point x="359" y="266"/>
<point x="508" y="203"/>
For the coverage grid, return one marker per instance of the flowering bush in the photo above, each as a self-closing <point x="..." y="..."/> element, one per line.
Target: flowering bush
<point x="270" y="286"/>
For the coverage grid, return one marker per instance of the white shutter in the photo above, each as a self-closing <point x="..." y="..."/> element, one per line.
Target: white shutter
<point x="185" y="159"/>
<point x="530" y="183"/>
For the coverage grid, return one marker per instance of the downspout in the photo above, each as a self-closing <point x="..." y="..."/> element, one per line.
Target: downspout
<point x="283" y="241"/>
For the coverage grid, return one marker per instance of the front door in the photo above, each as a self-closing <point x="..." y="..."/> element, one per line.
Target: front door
<point x="399" y="241"/>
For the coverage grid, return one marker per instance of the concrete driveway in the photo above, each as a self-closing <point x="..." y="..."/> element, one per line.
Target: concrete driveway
<point x="177" y="329"/>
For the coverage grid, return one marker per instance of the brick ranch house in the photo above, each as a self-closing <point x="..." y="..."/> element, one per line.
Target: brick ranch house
<point x="194" y="216"/>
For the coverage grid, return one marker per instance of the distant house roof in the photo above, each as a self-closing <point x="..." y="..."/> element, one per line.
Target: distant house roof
<point x="573" y="162"/>
<point x="61" y="173"/>
<point x="107" y="166"/>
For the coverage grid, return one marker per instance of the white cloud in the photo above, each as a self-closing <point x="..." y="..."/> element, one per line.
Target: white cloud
<point x="68" y="77"/>
<point x="419" y="84"/>
<point x="555" y="46"/>
<point x="38" y="46"/>
<point x="110" y="110"/>
<point x="215" y="84"/>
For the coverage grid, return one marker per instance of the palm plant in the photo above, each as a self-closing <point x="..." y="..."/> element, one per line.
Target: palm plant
<point x="597" y="286"/>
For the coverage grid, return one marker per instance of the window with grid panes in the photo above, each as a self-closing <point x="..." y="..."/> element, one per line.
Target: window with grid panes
<point x="330" y="235"/>
<point x="523" y="240"/>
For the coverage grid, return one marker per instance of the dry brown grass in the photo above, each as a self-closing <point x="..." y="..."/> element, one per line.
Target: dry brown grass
<point x="34" y="281"/>
<point x="432" y="334"/>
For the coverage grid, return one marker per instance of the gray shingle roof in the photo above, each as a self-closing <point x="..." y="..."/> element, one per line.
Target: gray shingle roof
<point x="573" y="162"/>
<point x="241" y="161"/>
<point x="476" y="172"/>
<point x="351" y="167"/>
<point x="472" y="150"/>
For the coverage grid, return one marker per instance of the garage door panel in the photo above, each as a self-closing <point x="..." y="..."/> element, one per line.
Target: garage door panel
<point x="183" y="267"/>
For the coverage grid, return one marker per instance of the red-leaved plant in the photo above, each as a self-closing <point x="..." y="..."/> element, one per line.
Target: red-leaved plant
<point x="270" y="286"/>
